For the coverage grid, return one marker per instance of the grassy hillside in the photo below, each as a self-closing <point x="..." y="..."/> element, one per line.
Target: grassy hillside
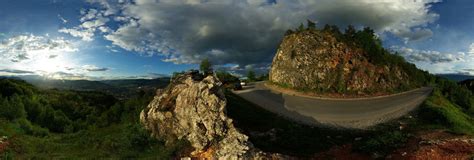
<point x="49" y="124"/>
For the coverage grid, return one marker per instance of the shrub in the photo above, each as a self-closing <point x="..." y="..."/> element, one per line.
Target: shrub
<point x="12" y="108"/>
<point x="438" y="110"/>
<point x="384" y="142"/>
<point x="31" y="129"/>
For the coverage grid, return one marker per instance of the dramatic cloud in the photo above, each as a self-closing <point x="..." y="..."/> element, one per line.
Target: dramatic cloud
<point x="471" y="49"/>
<point x="91" y="22"/>
<point x="28" y="54"/>
<point x="27" y="47"/>
<point x="238" y="31"/>
<point x="414" y="55"/>
<point x="439" y="62"/>
<point x="92" y="68"/>
<point x="15" y="71"/>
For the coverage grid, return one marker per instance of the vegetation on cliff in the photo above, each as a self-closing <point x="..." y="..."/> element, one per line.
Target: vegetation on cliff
<point x="354" y="62"/>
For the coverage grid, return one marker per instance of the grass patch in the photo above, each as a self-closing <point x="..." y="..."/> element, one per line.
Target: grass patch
<point x="437" y="111"/>
<point x="115" y="141"/>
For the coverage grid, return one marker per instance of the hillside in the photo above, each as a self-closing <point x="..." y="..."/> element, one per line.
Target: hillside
<point x="327" y="61"/>
<point x="456" y="77"/>
<point x="120" y="88"/>
<point x="63" y="124"/>
<point x="469" y="83"/>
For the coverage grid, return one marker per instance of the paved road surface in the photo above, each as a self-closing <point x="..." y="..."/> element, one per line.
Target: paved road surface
<point x="353" y="113"/>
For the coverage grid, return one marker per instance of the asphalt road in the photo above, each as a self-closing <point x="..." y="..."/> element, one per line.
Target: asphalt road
<point x="347" y="113"/>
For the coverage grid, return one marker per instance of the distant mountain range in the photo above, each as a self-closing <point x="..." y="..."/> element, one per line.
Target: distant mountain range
<point x="121" y="88"/>
<point x="456" y="77"/>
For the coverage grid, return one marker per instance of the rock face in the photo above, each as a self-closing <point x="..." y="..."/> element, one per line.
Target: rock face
<point x="194" y="109"/>
<point x="315" y="60"/>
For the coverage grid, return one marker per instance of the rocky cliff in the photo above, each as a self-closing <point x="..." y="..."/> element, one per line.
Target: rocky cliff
<point x="320" y="61"/>
<point x="194" y="108"/>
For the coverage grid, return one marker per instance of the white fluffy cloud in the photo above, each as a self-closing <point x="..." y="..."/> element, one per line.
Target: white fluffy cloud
<point x="93" y="68"/>
<point x="414" y="55"/>
<point x="91" y="21"/>
<point x="471" y="49"/>
<point x="34" y="54"/>
<point x="25" y="47"/>
<point x="244" y="32"/>
<point x="440" y="62"/>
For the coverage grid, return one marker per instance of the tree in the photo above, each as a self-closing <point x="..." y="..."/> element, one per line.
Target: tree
<point x="205" y="67"/>
<point x="226" y="77"/>
<point x="327" y="28"/>
<point x="350" y="31"/>
<point x="251" y="75"/>
<point x="301" y="28"/>
<point x="311" y="24"/>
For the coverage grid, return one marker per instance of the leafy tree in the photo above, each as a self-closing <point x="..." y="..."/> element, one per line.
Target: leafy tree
<point x="301" y="28"/>
<point x="226" y="77"/>
<point x="205" y="67"/>
<point x="251" y="75"/>
<point x="327" y="27"/>
<point x="311" y="24"/>
<point x="350" y="32"/>
<point x="176" y="74"/>
<point x="12" y="108"/>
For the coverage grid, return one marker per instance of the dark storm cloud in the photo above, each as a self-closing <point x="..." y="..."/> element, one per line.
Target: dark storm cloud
<point x="242" y="32"/>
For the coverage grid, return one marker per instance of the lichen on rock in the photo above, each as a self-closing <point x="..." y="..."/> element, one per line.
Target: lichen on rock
<point x="318" y="61"/>
<point x="194" y="109"/>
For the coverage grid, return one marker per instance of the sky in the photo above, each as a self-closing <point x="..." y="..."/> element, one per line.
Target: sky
<point x="118" y="39"/>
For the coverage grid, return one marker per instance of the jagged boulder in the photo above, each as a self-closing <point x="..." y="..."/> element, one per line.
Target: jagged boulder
<point x="319" y="61"/>
<point x="194" y="108"/>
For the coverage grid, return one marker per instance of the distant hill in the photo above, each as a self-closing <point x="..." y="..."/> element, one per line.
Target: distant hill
<point x="120" y="88"/>
<point x="135" y="83"/>
<point x="456" y="77"/>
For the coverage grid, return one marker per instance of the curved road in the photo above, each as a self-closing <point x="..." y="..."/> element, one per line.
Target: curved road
<point x="346" y="113"/>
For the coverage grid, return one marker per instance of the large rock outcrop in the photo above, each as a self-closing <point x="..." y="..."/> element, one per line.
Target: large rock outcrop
<point x="194" y="108"/>
<point x="316" y="60"/>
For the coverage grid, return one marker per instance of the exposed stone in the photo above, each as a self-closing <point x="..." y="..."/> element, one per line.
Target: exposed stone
<point x="316" y="60"/>
<point x="194" y="109"/>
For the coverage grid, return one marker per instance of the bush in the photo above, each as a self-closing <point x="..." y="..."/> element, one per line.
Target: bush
<point x="384" y="142"/>
<point x="12" y="108"/>
<point x="31" y="129"/>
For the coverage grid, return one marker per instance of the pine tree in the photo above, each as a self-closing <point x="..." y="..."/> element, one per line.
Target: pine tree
<point x="311" y="25"/>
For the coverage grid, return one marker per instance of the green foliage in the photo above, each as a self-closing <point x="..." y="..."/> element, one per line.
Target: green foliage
<point x="12" y="108"/>
<point x="251" y="75"/>
<point x="340" y="82"/>
<point x="9" y="87"/>
<point x="311" y="24"/>
<point x="289" y="31"/>
<point x="206" y="67"/>
<point x="31" y="129"/>
<point x="226" y="77"/>
<point x="55" y="124"/>
<point x="383" y="142"/>
<point x="438" y="110"/>
<point x="176" y="74"/>
<point x="301" y="28"/>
